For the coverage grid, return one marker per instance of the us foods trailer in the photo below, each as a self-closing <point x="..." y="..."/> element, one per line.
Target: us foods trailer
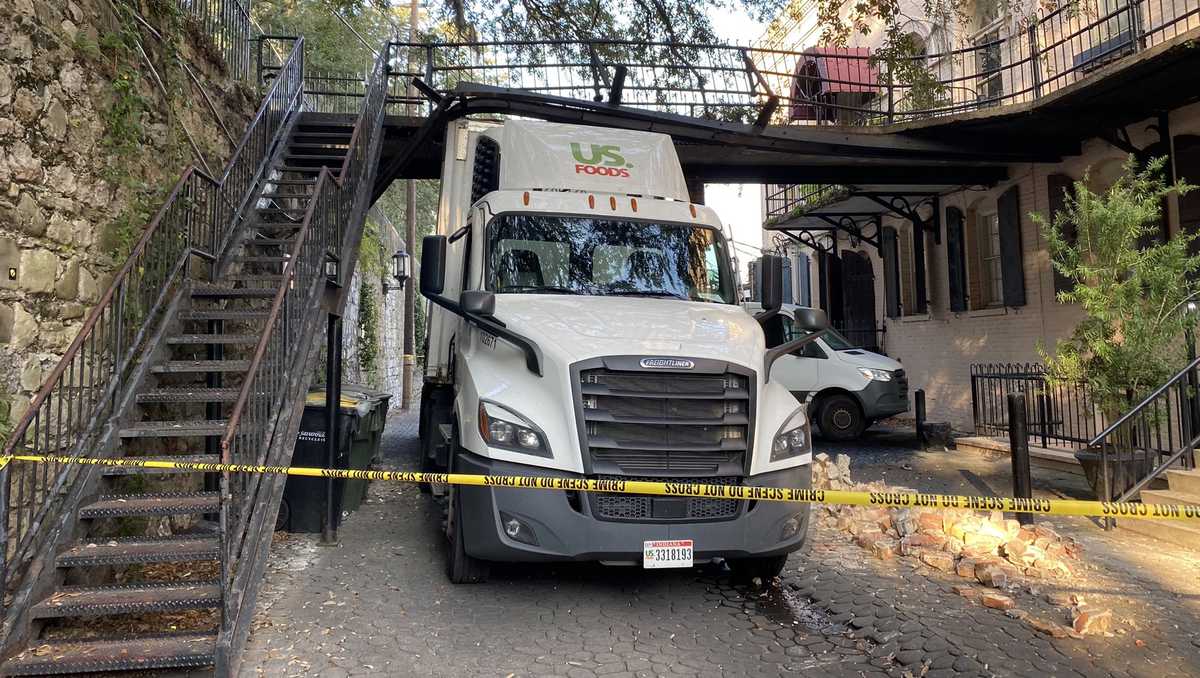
<point x="584" y="323"/>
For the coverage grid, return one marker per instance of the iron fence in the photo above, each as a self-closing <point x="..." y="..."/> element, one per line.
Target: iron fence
<point x="227" y="24"/>
<point x="1059" y="414"/>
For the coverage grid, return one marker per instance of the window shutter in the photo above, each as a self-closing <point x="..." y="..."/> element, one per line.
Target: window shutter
<point x="920" y="304"/>
<point x="804" y="277"/>
<point x="836" y="286"/>
<point x="1011" y="265"/>
<point x="1057" y="186"/>
<point x="823" y="281"/>
<point x="891" y="271"/>
<point x="956" y="260"/>
<point x="754" y="291"/>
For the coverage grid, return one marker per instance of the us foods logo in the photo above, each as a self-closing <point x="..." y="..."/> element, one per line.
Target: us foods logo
<point x="667" y="364"/>
<point x="605" y="161"/>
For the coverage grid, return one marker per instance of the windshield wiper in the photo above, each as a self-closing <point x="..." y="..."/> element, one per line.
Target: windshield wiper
<point x="648" y="293"/>
<point x="538" y="288"/>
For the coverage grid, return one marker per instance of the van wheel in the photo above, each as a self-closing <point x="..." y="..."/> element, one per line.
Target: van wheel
<point x="460" y="567"/>
<point x="746" y="570"/>
<point x="840" y="418"/>
<point x="283" y="519"/>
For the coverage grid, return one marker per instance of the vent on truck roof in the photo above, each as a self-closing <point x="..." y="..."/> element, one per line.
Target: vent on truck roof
<point x="485" y="176"/>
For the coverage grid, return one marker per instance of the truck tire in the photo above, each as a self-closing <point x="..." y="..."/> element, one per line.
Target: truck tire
<point x="462" y="568"/>
<point x="746" y="570"/>
<point x="840" y="417"/>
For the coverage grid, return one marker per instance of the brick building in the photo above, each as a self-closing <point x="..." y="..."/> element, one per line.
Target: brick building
<point x="944" y="275"/>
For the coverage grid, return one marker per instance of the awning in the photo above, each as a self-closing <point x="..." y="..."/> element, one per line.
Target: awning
<point x="826" y="71"/>
<point x="858" y="210"/>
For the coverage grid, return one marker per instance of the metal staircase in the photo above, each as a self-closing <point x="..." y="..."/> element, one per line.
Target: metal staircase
<point x="200" y="350"/>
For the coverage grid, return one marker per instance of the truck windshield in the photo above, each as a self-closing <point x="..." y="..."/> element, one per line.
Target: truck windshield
<point x="552" y="254"/>
<point x="832" y="337"/>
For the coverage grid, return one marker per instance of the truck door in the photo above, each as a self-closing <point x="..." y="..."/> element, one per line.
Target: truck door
<point x="799" y="373"/>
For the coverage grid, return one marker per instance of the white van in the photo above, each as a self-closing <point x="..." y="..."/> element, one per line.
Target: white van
<point x="851" y="387"/>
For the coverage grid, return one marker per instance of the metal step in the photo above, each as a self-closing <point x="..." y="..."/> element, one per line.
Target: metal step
<point x="212" y="292"/>
<point x="205" y="366"/>
<point x="262" y="260"/>
<point x="324" y="135"/>
<point x="265" y="242"/>
<point x="138" y="470"/>
<point x="60" y="657"/>
<point x="315" y="157"/>
<point x="297" y="170"/>
<point x="256" y="277"/>
<point x="327" y="146"/>
<point x="187" y="394"/>
<point x="220" y="314"/>
<point x="91" y="601"/>
<point x="293" y="182"/>
<point x="202" y="339"/>
<point x="140" y="550"/>
<point x="203" y="428"/>
<point x="286" y="196"/>
<point x="143" y="505"/>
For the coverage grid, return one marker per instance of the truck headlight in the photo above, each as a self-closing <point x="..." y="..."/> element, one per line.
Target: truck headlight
<point x="877" y="375"/>
<point x="503" y="428"/>
<point x="793" y="439"/>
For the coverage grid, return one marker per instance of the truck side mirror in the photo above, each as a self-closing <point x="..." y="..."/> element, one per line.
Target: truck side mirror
<point x="771" y="280"/>
<point x="478" y="302"/>
<point x="811" y="319"/>
<point x="433" y="264"/>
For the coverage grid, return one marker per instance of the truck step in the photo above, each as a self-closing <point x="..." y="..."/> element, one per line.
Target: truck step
<point x="140" y="550"/>
<point x="62" y="657"/>
<point x="186" y="394"/>
<point x="213" y="292"/>
<point x="91" y="601"/>
<point x="138" y="470"/>
<point x="145" y="505"/>
<point x="175" y="429"/>
<point x="205" y="366"/>
<point x="221" y="314"/>
<point x="212" y="339"/>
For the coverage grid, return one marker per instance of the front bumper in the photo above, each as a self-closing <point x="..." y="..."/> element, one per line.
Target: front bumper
<point x="881" y="399"/>
<point x="565" y="532"/>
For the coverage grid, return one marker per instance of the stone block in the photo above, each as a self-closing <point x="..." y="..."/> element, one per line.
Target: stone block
<point x="883" y="549"/>
<point x="965" y="568"/>
<point x="1048" y="628"/>
<point x="38" y="271"/>
<point x="938" y="560"/>
<point x="10" y="263"/>
<point x="1089" y="623"/>
<point x="1026" y="535"/>
<point x="1062" y="599"/>
<point x="6" y="323"/>
<point x="24" y="328"/>
<point x="30" y="217"/>
<point x="31" y="374"/>
<point x="997" y="601"/>
<point x="1046" y="532"/>
<point x="991" y="574"/>
<point x="929" y="523"/>
<point x="969" y="592"/>
<point x="67" y="287"/>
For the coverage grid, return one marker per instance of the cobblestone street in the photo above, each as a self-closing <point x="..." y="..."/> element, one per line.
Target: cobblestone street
<point x="379" y="603"/>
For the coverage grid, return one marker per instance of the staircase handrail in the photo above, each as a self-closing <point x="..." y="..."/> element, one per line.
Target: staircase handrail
<point x="263" y="398"/>
<point x="197" y="218"/>
<point x="1144" y="403"/>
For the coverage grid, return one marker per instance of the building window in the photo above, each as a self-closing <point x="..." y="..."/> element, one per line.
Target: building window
<point x="992" y="273"/>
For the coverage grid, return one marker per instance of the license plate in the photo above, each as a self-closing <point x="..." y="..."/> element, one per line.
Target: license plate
<point x="670" y="553"/>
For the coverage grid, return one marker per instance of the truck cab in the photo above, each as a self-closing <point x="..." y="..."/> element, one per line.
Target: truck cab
<point x="584" y="323"/>
<point x="850" y="387"/>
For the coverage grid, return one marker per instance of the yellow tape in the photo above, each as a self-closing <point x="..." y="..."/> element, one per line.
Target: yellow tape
<point x="1056" y="507"/>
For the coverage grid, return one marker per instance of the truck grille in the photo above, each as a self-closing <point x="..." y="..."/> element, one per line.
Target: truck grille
<point x="643" y="508"/>
<point x="664" y="424"/>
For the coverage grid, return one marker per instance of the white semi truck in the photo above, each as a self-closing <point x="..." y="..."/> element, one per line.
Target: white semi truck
<point x="584" y="323"/>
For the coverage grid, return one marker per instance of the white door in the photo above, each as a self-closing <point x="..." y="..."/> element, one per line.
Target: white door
<point x="800" y="373"/>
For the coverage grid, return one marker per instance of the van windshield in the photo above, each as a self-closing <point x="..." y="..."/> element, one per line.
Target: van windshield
<point x="832" y="337"/>
<point x="552" y="254"/>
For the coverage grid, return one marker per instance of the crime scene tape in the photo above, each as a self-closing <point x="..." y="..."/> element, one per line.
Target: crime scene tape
<point x="1056" y="507"/>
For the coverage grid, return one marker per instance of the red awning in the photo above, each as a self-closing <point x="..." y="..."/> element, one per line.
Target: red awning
<point x="823" y="72"/>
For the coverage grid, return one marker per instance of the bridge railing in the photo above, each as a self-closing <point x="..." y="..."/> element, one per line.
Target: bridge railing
<point x="1009" y="62"/>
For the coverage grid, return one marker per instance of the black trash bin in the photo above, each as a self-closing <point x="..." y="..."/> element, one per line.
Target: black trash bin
<point x="360" y="415"/>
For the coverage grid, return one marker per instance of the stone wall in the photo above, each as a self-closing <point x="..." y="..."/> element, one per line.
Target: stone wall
<point x="89" y="146"/>
<point x="387" y="331"/>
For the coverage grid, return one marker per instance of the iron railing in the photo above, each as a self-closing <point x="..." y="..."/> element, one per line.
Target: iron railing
<point x="1059" y="414"/>
<point x="1159" y="433"/>
<point x="263" y="405"/>
<point x="72" y="409"/>
<point x="227" y="24"/>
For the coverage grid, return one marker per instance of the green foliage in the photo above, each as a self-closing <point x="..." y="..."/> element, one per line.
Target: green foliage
<point x="1134" y="298"/>
<point x="6" y="424"/>
<point x="370" y="252"/>
<point x="329" y="45"/>
<point x="368" y="321"/>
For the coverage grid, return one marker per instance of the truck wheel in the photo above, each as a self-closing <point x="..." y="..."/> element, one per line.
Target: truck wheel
<point x="460" y="567"/>
<point x="283" y="519"/>
<point x="840" y="417"/>
<point x="746" y="570"/>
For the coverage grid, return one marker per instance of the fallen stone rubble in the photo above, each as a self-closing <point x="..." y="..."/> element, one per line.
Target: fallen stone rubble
<point x="1000" y="557"/>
